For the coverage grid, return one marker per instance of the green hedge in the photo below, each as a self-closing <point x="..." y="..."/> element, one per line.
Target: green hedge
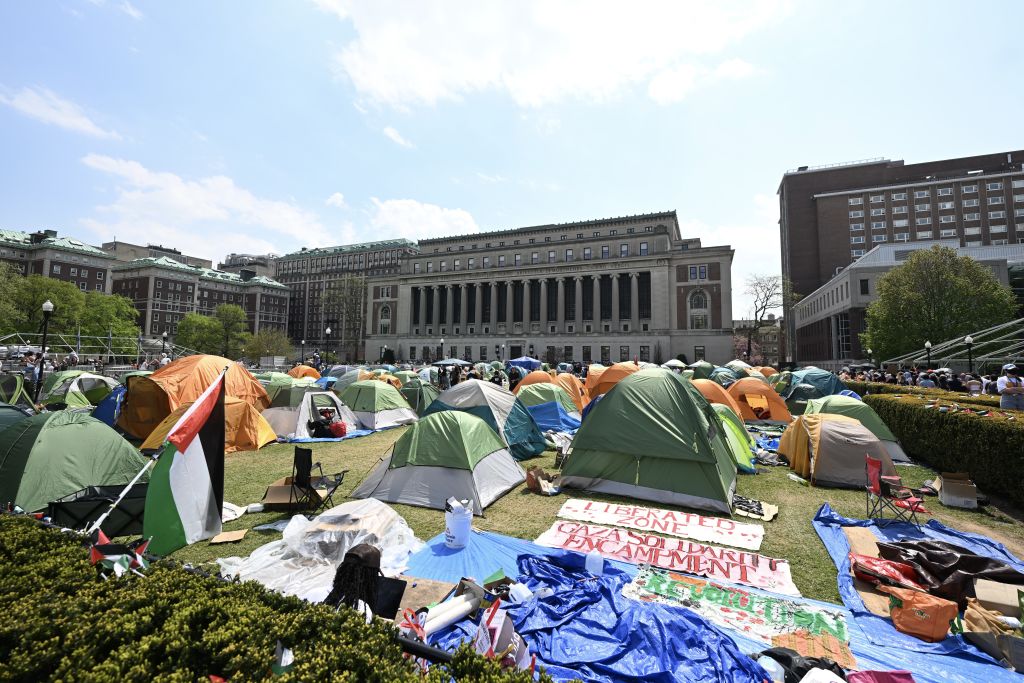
<point x="863" y="388"/>
<point x="61" y="621"/>
<point x="990" y="448"/>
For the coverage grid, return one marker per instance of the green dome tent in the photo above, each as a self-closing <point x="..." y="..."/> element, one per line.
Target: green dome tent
<point x="419" y="394"/>
<point x="12" y="414"/>
<point x="654" y="437"/>
<point x="377" y="405"/>
<point x="450" y="453"/>
<point x="13" y="391"/>
<point x="865" y="414"/>
<point x="543" y="392"/>
<point x="285" y="391"/>
<point x="701" y="369"/>
<point x="405" y="375"/>
<point x="51" y="455"/>
<point x="76" y="389"/>
<point x="737" y="438"/>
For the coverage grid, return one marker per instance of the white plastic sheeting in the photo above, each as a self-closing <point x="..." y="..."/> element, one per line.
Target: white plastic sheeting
<point x="303" y="562"/>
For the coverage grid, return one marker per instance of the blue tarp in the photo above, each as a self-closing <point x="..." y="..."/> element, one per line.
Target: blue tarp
<point x="851" y="393"/>
<point x="590" y="406"/>
<point x="824" y="381"/>
<point x="109" y="408"/>
<point x="879" y="630"/>
<point x="355" y="433"/>
<point x="525" y="362"/>
<point x="326" y="382"/>
<point x="520" y="432"/>
<point x="488" y="552"/>
<point x="552" y="416"/>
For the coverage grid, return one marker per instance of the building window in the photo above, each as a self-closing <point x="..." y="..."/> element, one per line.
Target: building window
<point x="74" y="271"/>
<point x="969" y="202"/>
<point x="991" y="214"/>
<point x="995" y="200"/>
<point x="444" y="266"/>
<point x="856" y="214"/>
<point x="865" y="286"/>
<point x="877" y="198"/>
<point x="901" y="237"/>
<point x="1018" y="183"/>
<point x="56" y="268"/>
<point x="430" y="266"/>
<point x="518" y="260"/>
<point x="501" y="260"/>
<point x="623" y="353"/>
<point x="604" y="252"/>
<point x="924" y="221"/>
<point x="994" y="228"/>
<point x="623" y="250"/>
<point x="972" y="231"/>
<point x="471" y="263"/>
<point x="643" y="248"/>
<point x="878" y="238"/>
<point x="972" y="216"/>
<point x="698" y="310"/>
<point x="857" y="239"/>
<point x="945" y="191"/>
<point x="900" y="223"/>
<point x="878" y="225"/>
<point x="920" y="194"/>
<point x="948" y="232"/>
<point x="458" y="264"/>
<point x="991" y="187"/>
<point x="922" y="208"/>
<point x="551" y="256"/>
<point x="856" y="253"/>
<point x="897" y="196"/>
<point x="855" y="201"/>
<point x="606" y="354"/>
<point x="899" y="209"/>
<point x="856" y="226"/>
<point x="487" y="261"/>
<point x="586" y="354"/>
<point x="586" y="253"/>
<point x="535" y="257"/>
<point x="944" y="206"/>
<point x="1017" y="198"/>
<point x="568" y="255"/>
<point x="877" y="212"/>
<point x="947" y="219"/>
<point x="968" y="189"/>
<point x="99" y="287"/>
<point x="698" y="300"/>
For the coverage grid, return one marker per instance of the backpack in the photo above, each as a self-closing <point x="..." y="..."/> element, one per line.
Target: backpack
<point x="992" y="388"/>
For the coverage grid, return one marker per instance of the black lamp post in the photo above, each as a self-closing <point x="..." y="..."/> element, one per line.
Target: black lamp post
<point x="970" y="359"/>
<point x="163" y="342"/>
<point x="871" y="361"/>
<point x="327" y="345"/>
<point x="440" y="354"/>
<point x="302" y="353"/>
<point x="928" y="350"/>
<point x="47" y="312"/>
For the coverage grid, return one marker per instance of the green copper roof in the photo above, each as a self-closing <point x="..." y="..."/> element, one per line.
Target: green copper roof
<point x="349" y="248"/>
<point x="23" y="240"/>
<point x="204" y="273"/>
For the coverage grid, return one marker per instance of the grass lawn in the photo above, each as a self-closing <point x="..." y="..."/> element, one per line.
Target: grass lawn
<point x="525" y="515"/>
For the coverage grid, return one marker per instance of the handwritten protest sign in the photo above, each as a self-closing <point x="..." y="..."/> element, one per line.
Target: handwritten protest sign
<point x="757" y="616"/>
<point x="669" y="522"/>
<point x="672" y="553"/>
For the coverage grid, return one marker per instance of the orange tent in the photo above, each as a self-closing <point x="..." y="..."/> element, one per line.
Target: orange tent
<point x="716" y="393"/>
<point x="390" y="379"/>
<point x="767" y="370"/>
<point x="151" y="398"/>
<point x="574" y="388"/>
<point x="535" y="377"/>
<point x="244" y="428"/>
<point x="758" y="401"/>
<point x="612" y="376"/>
<point x="594" y="373"/>
<point x="300" y="371"/>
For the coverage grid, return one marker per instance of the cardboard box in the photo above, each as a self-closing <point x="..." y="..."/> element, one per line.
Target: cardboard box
<point x="957" y="490"/>
<point x="998" y="597"/>
<point x="1004" y="648"/>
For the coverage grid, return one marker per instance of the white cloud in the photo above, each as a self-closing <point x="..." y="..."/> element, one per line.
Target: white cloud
<point x="396" y="137"/>
<point x="416" y="220"/>
<point x="131" y="10"/>
<point x="45" y="105"/>
<point x="673" y="85"/>
<point x="208" y="217"/>
<point x="337" y="200"/>
<point x="490" y="179"/>
<point x="541" y="51"/>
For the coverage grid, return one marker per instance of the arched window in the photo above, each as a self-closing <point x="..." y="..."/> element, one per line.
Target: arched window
<point x="385" y="320"/>
<point x="699" y="310"/>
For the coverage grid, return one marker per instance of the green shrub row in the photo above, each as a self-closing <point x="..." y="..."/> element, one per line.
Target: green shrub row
<point x="62" y="622"/>
<point x="990" y="448"/>
<point x="863" y="388"/>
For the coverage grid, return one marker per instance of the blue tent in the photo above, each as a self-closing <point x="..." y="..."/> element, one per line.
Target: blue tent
<point x="590" y="406"/>
<point x="326" y="382"/>
<point x="851" y="393"/>
<point x="109" y="408"/>
<point x="525" y="362"/>
<point x="824" y="381"/>
<point x="724" y="376"/>
<point x="553" y="417"/>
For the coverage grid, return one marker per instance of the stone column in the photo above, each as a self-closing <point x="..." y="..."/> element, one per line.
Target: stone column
<point x="596" y="300"/>
<point x="435" y="300"/>
<point x="509" y="308"/>
<point x="414" y="299"/>
<point x="579" y="303"/>
<point x="527" y="325"/>
<point x="478" y="304"/>
<point x="634" y="302"/>
<point x="615" y="303"/>
<point x="560" y="303"/>
<point x="463" y="305"/>
<point x="449" y="317"/>
<point x="544" y="305"/>
<point x="493" y="320"/>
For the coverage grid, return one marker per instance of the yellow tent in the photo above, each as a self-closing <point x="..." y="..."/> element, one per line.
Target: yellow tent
<point x="390" y="379"/>
<point x="758" y="401"/>
<point x="574" y="388"/>
<point x="151" y="398"/>
<point x="245" y="429"/>
<point x="300" y="371"/>
<point x="612" y="376"/>
<point x="829" y="450"/>
<point x="535" y="377"/>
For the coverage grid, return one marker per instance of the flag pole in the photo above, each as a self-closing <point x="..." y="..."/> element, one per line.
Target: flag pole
<point x="128" y="487"/>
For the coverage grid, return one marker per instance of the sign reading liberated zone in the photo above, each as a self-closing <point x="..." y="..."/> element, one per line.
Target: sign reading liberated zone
<point x="671" y="553"/>
<point x="669" y="522"/>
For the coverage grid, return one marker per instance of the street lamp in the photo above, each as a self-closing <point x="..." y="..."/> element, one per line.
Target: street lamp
<point x="302" y="353"/>
<point x="928" y="349"/>
<point x="970" y="359"/>
<point x="383" y="353"/>
<point x="503" y="353"/>
<point x="870" y="360"/>
<point x="163" y="342"/>
<point x="440" y="355"/>
<point x="327" y="345"/>
<point x="47" y="312"/>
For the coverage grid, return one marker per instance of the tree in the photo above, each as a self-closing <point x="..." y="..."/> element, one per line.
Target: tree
<point x="344" y="307"/>
<point x="766" y="293"/>
<point x="232" y="320"/>
<point x="740" y="345"/>
<point x="267" y="342"/>
<point x="29" y="295"/>
<point x="10" y="279"/>
<point x="199" y="333"/>
<point x="934" y="296"/>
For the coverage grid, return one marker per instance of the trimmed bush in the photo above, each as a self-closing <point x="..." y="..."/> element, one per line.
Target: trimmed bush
<point x="864" y="388"/>
<point x="990" y="448"/>
<point x="63" y="622"/>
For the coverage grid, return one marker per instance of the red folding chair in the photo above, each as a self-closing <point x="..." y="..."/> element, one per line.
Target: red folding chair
<point x="888" y="493"/>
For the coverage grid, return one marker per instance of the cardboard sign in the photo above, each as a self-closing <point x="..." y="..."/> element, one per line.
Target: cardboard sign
<point x="670" y="553"/>
<point x="669" y="522"/>
<point x="228" y="537"/>
<point x="756" y="616"/>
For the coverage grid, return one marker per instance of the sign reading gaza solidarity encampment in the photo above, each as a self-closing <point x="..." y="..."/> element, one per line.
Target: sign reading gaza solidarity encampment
<point x="681" y="524"/>
<point x="671" y="553"/>
<point x="756" y="616"/>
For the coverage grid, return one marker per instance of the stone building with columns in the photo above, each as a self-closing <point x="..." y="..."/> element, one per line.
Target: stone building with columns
<point x="590" y="291"/>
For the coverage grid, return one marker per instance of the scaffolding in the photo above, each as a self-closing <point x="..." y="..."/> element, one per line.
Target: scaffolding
<point x="989" y="350"/>
<point x="111" y="351"/>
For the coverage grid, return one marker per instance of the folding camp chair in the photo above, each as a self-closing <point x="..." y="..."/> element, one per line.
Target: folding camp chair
<point x="307" y="492"/>
<point x="888" y="493"/>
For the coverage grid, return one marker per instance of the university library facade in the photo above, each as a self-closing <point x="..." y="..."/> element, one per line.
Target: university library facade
<point x="590" y="291"/>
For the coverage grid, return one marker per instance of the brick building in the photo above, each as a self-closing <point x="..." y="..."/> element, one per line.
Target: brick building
<point x="261" y="264"/>
<point x="125" y="252"/>
<point x="832" y="215"/>
<point x="592" y="291"/>
<point x="61" y="258"/>
<point x="164" y="291"/>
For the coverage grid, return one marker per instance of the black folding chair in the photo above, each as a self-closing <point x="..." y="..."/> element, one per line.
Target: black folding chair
<point x="309" y="493"/>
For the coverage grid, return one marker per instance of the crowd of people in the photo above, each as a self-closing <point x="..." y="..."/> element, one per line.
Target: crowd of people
<point x="1007" y="384"/>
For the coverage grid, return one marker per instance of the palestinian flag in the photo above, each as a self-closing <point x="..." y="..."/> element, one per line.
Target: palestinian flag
<point x="186" y="489"/>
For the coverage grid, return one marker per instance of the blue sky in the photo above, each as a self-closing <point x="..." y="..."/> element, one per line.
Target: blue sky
<point x="266" y="126"/>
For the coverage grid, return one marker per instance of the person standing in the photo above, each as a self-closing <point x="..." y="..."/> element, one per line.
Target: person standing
<point x="1011" y="390"/>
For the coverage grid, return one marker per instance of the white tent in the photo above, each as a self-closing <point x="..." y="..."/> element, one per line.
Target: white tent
<point x="292" y="423"/>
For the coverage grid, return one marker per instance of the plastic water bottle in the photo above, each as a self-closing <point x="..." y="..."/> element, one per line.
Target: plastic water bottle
<point x="774" y="669"/>
<point x="595" y="563"/>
